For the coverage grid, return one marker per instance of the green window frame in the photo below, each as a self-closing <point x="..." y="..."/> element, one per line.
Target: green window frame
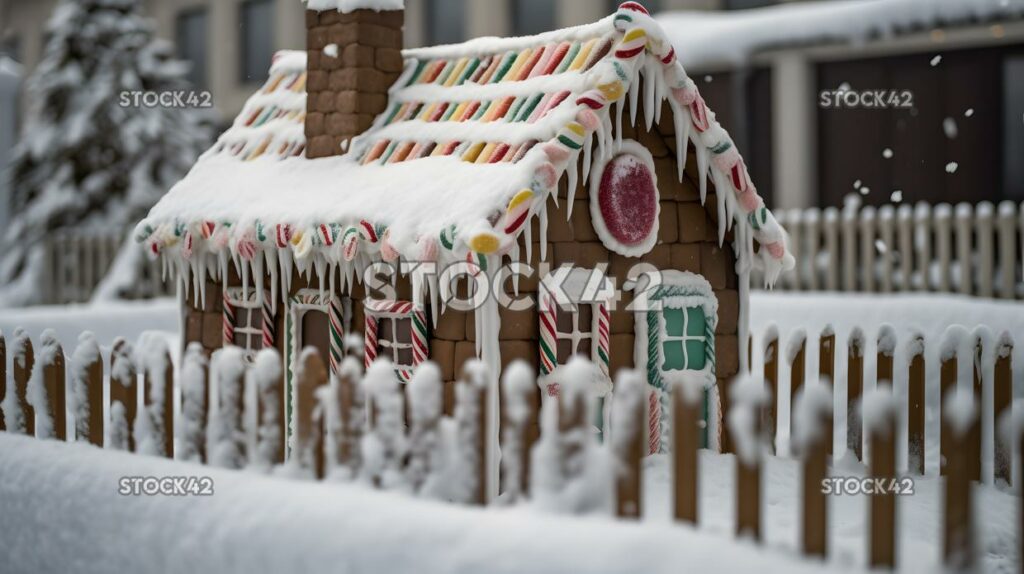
<point x="683" y="339"/>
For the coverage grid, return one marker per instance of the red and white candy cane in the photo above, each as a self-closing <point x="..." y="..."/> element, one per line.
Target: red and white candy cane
<point x="228" y="321"/>
<point x="603" y="321"/>
<point x="337" y="333"/>
<point x="548" y="336"/>
<point x="269" y="330"/>
<point x="654" y="422"/>
<point x="420" y="350"/>
<point x="370" y="341"/>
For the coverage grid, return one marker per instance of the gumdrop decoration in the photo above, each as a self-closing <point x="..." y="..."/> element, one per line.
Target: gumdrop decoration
<point x="624" y="201"/>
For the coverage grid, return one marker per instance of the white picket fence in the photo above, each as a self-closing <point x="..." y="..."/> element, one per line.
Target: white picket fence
<point x="77" y="261"/>
<point x="969" y="249"/>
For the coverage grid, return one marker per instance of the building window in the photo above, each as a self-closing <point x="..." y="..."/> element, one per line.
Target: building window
<point x="256" y="23"/>
<point x="577" y="324"/>
<point x="574" y="331"/>
<point x="683" y="339"/>
<point x="446" y="21"/>
<point x="532" y="17"/>
<point x="191" y="37"/>
<point x="247" y="323"/>
<point x="396" y="330"/>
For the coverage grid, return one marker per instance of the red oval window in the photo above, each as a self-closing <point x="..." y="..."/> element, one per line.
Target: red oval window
<point x="627" y="202"/>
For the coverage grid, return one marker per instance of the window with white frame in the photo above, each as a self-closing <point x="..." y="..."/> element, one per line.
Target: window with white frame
<point x="574" y="319"/>
<point x="683" y="338"/>
<point x="396" y="330"/>
<point x="248" y="322"/>
<point x="394" y="341"/>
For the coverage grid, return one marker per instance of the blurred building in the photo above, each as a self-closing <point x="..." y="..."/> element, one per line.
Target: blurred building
<point x="230" y="42"/>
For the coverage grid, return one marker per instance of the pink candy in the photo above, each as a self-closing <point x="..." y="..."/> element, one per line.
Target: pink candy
<point x="727" y="159"/>
<point x="749" y="199"/>
<point x="547" y="175"/>
<point x="776" y="248"/>
<point x="428" y="249"/>
<point x="588" y="119"/>
<point x="684" y="96"/>
<point x="557" y="153"/>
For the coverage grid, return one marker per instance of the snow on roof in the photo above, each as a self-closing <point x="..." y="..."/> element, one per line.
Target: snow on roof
<point x="706" y="39"/>
<point x="353" y="5"/>
<point x="475" y="138"/>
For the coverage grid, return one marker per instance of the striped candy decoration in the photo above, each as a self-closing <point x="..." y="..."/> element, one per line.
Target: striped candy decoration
<point x="518" y="210"/>
<point x="420" y="350"/>
<point x="603" y="351"/>
<point x="548" y="336"/>
<point x="699" y="113"/>
<point x="326" y="234"/>
<point x="592" y="99"/>
<point x="370" y="232"/>
<point x="370" y="341"/>
<point x="653" y="422"/>
<point x="654" y="378"/>
<point x="282" y="235"/>
<point x="186" y="245"/>
<point x="143" y="232"/>
<point x="246" y="246"/>
<point x="758" y="218"/>
<point x="269" y="330"/>
<point x="350" y="243"/>
<point x="572" y="136"/>
<point x="632" y="44"/>
<point x="477" y="263"/>
<point x="228" y="321"/>
<point x="447" y="237"/>
<point x="337" y="333"/>
<point x="207" y="228"/>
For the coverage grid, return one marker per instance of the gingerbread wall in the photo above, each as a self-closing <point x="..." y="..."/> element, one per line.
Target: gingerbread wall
<point x="346" y="91"/>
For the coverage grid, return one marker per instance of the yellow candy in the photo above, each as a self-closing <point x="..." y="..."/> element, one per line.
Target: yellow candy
<point x="519" y="198"/>
<point x="612" y="91"/>
<point x="485" y="243"/>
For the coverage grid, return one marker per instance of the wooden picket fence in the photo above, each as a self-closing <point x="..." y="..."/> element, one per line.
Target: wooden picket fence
<point x="968" y="249"/>
<point x="333" y="419"/>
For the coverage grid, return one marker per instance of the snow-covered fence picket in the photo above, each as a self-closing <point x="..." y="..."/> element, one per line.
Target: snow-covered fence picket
<point x="77" y="262"/>
<point x="398" y="439"/>
<point x="969" y="249"/>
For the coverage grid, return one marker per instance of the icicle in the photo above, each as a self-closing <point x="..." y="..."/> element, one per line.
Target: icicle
<point x="203" y="270"/>
<point x="603" y="133"/>
<point x="320" y="263"/>
<point x="650" y="85"/>
<point x="573" y="173"/>
<point x="681" y="117"/>
<point x="702" y="170"/>
<point x="270" y="255"/>
<point x="434" y="308"/>
<point x="514" y="256"/>
<point x="634" y="96"/>
<point x="197" y="276"/>
<point x="184" y="276"/>
<point x="661" y="88"/>
<point x="723" y="216"/>
<point x="587" y="145"/>
<point x="243" y="270"/>
<point x="257" y="278"/>
<point x="618" y="125"/>
<point x="284" y="261"/>
<point x="330" y="279"/>
<point x="543" y="216"/>
<point x="528" y="234"/>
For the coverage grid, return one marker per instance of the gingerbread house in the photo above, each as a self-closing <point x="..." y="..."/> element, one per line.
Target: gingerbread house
<point x="523" y="198"/>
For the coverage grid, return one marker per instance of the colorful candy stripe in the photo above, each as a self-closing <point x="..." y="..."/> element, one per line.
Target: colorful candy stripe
<point x="370" y="341"/>
<point x="269" y="331"/>
<point x="420" y="350"/>
<point x="548" y="335"/>
<point x="337" y="333"/>
<point x="228" y="321"/>
<point x="603" y="331"/>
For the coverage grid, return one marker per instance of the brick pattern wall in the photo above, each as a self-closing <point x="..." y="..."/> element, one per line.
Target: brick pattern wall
<point x="346" y="92"/>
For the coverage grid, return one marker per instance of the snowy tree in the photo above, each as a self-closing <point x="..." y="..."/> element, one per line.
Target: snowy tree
<point x="85" y="159"/>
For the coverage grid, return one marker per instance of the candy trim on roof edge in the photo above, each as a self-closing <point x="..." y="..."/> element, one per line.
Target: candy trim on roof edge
<point x="641" y="49"/>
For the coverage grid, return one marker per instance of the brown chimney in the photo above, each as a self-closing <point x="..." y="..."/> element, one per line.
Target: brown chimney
<point x="347" y="84"/>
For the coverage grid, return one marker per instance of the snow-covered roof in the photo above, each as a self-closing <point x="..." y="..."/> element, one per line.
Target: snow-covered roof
<point x="708" y="39"/>
<point x="475" y="138"/>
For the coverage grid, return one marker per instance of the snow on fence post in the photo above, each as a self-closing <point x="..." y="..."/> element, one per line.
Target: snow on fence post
<point x="796" y="356"/>
<point x="686" y="432"/>
<point x="46" y="391"/>
<point x="267" y="375"/>
<point x="831" y="229"/>
<point x="943" y="214"/>
<point x="745" y="424"/>
<point x="849" y="257"/>
<point x="518" y="386"/>
<point x="771" y="383"/>
<point x="812" y="411"/>
<point x="158" y="397"/>
<point x="867" y="249"/>
<point x="827" y="373"/>
<point x="905" y="235"/>
<point x="629" y="411"/>
<point x="915" y="404"/>
<point x="958" y="550"/>
<point x="948" y="367"/>
<point x="351" y="417"/>
<point x="964" y="228"/>
<point x="886" y="232"/>
<point x="1002" y="397"/>
<point x="384" y="446"/>
<point x="124" y="388"/>
<point x="227" y="437"/>
<point x="425" y="398"/>
<point x="87" y="389"/>
<point x="195" y="390"/>
<point x="794" y="219"/>
<point x="1006" y="227"/>
<point x="854" y="392"/>
<point x="984" y="214"/>
<point x="18" y="412"/>
<point x="307" y="441"/>
<point x="923" y="243"/>
<point x="471" y="424"/>
<point x="980" y="339"/>
<point x="880" y="424"/>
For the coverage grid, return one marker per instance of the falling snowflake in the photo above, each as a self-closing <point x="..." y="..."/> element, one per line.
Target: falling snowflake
<point x="950" y="128"/>
<point x="708" y="78"/>
<point x="896" y="196"/>
<point x="969" y="112"/>
<point x="887" y="153"/>
<point x="844" y="87"/>
<point x="865" y="190"/>
<point x="881" y="247"/>
<point x="951" y="167"/>
<point x="935" y="61"/>
<point x="856" y="184"/>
